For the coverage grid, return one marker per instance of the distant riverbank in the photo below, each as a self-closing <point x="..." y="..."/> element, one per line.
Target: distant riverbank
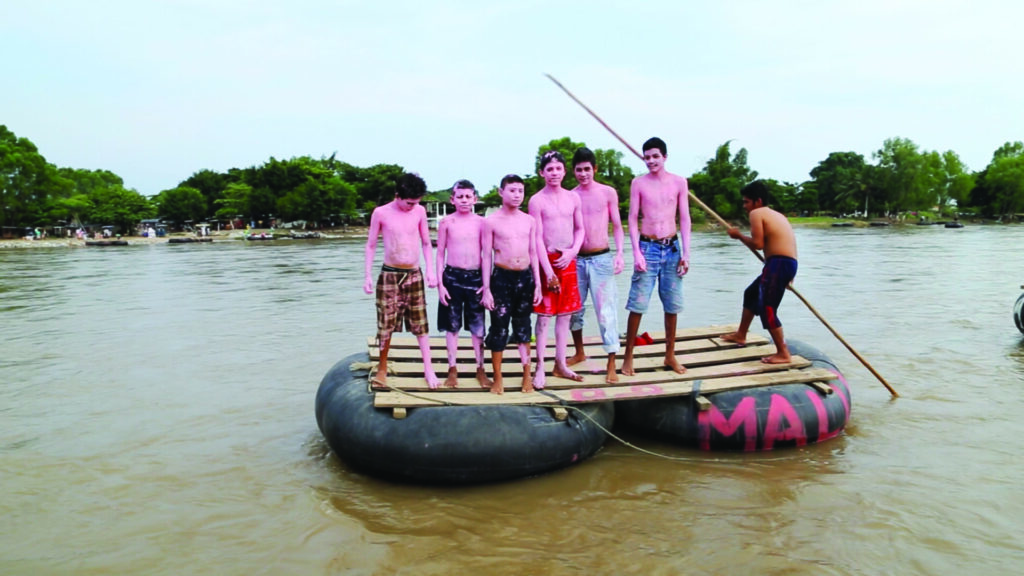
<point x="361" y="231"/>
<point x="220" y="236"/>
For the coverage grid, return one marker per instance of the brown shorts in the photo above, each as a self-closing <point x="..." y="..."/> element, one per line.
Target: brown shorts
<point x="400" y="296"/>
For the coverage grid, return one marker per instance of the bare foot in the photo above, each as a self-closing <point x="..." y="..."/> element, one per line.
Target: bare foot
<point x="538" y="380"/>
<point x="380" y="380"/>
<point x="432" y="380"/>
<point x="527" y="382"/>
<point x="564" y="372"/>
<point x="613" y="376"/>
<point x="777" y="359"/>
<point x="498" y="387"/>
<point x="735" y="338"/>
<point x="481" y="377"/>
<point x="452" y="381"/>
<point x="575" y="358"/>
<point x="672" y="364"/>
<point x="627" y="368"/>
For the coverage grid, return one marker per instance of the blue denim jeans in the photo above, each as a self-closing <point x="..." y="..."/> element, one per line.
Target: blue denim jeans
<point x="596" y="275"/>
<point x="662" y="264"/>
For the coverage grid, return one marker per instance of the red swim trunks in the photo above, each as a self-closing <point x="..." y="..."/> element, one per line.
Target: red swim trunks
<point x="567" y="299"/>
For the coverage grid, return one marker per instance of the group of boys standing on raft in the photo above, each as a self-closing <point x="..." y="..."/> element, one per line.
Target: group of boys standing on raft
<point x="492" y="263"/>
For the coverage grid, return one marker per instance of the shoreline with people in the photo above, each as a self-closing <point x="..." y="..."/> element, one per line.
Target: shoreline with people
<point x="359" y="232"/>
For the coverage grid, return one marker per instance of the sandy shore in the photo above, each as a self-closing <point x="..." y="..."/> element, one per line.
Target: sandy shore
<point x="221" y="236"/>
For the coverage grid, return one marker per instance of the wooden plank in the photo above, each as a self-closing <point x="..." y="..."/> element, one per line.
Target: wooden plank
<point x="512" y="378"/>
<point x="646" y="364"/>
<point x="703" y="404"/>
<point x="404" y="340"/>
<point x="602" y="394"/>
<point x="467" y="356"/>
<point x="822" y="388"/>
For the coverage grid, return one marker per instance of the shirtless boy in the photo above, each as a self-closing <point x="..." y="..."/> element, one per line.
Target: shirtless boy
<point x="659" y="196"/>
<point x="458" y="291"/>
<point x="511" y="278"/>
<point x="559" y="217"/>
<point x="769" y="231"/>
<point x="402" y="223"/>
<point x="595" y="266"/>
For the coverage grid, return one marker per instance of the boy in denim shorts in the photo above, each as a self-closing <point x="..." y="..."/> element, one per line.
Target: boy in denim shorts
<point x="658" y="255"/>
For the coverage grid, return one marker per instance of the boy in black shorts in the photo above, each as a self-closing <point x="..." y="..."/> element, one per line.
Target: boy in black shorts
<point x="458" y="293"/>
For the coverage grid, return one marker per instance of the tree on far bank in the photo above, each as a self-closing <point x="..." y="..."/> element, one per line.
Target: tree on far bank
<point x="99" y="197"/>
<point x="374" y="185"/>
<point x="907" y="179"/>
<point x="956" y="183"/>
<point x="210" y="184"/>
<point x="999" y="191"/>
<point x="841" y="182"/>
<point x="719" y="183"/>
<point x="181" y="205"/>
<point x="120" y="207"/>
<point x="27" y="182"/>
<point x="234" y="203"/>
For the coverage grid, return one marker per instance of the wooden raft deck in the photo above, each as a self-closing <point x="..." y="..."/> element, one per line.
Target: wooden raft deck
<point x="712" y="363"/>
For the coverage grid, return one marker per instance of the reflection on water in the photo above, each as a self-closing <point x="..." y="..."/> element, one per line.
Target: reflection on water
<point x="157" y="415"/>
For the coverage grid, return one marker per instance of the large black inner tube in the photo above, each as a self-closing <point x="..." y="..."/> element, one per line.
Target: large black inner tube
<point x="751" y="419"/>
<point x="1018" y="310"/>
<point x="451" y="444"/>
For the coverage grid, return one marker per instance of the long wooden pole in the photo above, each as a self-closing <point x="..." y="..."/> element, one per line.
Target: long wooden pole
<point x="722" y="221"/>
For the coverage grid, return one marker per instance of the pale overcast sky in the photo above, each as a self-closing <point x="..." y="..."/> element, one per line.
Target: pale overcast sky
<point x="155" y="90"/>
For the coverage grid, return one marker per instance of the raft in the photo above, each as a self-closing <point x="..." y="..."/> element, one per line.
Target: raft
<point x="749" y="419"/>
<point x="469" y="435"/>
<point x="187" y="240"/>
<point x="1018" y="311"/>
<point x="106" y="242"/>
<point x="452" y="444"/>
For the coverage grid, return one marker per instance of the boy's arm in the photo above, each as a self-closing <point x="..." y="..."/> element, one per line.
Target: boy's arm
<point x="684" y="219"/>
<point x="534" y="264"/>
<point x="428" y="250"/>
<point x="539" y="247"/>
<point x="442" y="244"/>
<point x="486" y="261"/>
<point x="616" y="220"/>
<point x="639" y="263"/>
<point x="578" y="232"/>
<point x="371" y="250"/>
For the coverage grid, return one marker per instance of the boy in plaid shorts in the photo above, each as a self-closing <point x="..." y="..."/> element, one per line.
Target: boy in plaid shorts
<point x="400" y="294"/>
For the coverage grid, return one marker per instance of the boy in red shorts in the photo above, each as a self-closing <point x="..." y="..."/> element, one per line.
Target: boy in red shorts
<point x="559" y="217"/>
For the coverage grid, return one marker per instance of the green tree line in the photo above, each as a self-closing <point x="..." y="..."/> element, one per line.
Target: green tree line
<point x="325" y="191"/>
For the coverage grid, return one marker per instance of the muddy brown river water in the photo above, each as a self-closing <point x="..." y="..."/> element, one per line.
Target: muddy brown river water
<point x="156" y="417"/>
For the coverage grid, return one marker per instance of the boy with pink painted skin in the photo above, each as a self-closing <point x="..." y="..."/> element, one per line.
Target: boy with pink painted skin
<point x="402" y="223"/>
<point x="459" y="249"/>
<point x="559" y="217"/>
<point x="511" y="277"/>
<point x="595" y="264"/>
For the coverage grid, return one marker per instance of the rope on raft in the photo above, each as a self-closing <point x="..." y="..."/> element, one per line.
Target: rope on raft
<point x="369" y="366"/>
